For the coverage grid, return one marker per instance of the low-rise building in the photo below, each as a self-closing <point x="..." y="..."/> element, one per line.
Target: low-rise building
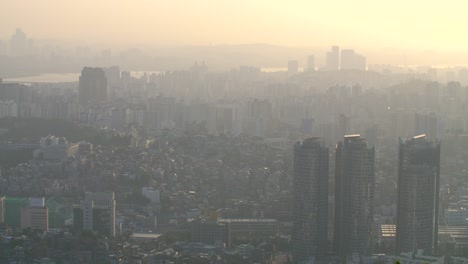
<point x="36" y="215"/>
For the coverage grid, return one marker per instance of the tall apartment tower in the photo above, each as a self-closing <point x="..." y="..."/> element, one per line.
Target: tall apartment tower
<point x="310" y="200"/>
<point x="418" y="195"/>
<point x="97" y="213"/>
<point x="93" y="86"/>
<point x="354" y="196"/>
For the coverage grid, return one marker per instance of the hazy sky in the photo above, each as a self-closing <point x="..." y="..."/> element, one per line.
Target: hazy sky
<point x="439" y="25"/>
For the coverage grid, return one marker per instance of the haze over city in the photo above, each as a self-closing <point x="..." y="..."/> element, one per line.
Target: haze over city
<point x="409" y="30"/>
<point x="231" y="132"/>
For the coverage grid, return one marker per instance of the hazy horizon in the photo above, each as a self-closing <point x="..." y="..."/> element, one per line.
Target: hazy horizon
<point x="365" y="24"/>
<point x="152" y="131"/>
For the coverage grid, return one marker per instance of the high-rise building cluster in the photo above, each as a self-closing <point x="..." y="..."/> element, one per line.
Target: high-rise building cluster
<point x="354" y="192"/>
<point x="347" y="60"/>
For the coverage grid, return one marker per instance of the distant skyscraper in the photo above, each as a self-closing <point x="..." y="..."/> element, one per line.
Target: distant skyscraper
<point x="35" y="218"/>
<point x="293" y="67"/>
<point x="354" y="196"/>
<point x="418" y="195"/>
<point x="350" y="60"/>
<point x="311" y="63"/>
<point x="93" y="86"/>
<point x="18" y="43"/>
<point x="333" y="59"/>
<point x="310" y="200"/>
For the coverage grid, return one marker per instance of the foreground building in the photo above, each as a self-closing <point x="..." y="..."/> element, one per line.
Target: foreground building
<point x="354" y="197"/>
<point x="310" y="200"/>
<point x="418" y="195"/>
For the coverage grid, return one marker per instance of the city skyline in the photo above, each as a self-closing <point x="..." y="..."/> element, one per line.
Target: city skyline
<point x="363" y="23"/>
<point x="20" y="44"/>
<point x="226" y="132"/>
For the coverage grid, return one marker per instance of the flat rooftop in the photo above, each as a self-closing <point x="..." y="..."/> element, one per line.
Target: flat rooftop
<point x="145" y="235"/>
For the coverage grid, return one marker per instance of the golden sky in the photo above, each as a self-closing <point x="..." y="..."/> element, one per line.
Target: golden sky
<point x="439" y="25"/>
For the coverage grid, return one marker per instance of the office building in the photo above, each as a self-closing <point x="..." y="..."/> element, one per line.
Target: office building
<point x="36" y="215"/>
<point x="18" y="43"/>
<point x="333" y="59"/>
<point x="93" y="86"/>
<point x="96" y="212"/>
<point x="354" y="196"/>
<point x="310" y="200"/>
<point x="35" y="218"/>
<point x="418" y="195"/>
